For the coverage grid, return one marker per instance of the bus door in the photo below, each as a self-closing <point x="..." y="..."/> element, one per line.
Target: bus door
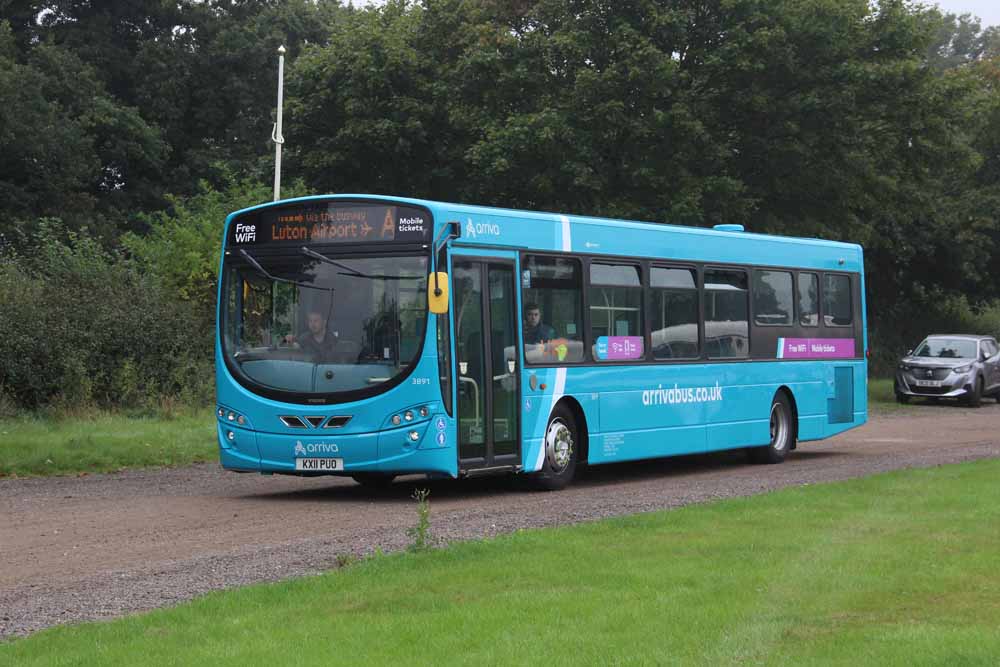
<point x="488" y="364"/>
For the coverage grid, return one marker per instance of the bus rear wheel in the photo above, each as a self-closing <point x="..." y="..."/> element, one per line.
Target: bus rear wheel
<point x="373" y="480"/>
<point x="560" y="447"/>
<point x="781" y="433"/>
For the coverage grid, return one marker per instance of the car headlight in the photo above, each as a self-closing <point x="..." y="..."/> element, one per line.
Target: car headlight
<point x="962" y="369"/>
<point x="904" y="367"/>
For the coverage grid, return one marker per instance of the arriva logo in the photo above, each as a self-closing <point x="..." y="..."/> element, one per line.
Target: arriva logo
<point x="315" y="448"/>
<point x="480" y="228"/>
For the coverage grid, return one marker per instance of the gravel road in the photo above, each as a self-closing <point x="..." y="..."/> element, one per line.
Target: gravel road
<point x="100" y="546"/>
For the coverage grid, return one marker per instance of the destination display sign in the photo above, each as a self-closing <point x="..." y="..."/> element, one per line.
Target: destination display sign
<point x="317" y="223"/>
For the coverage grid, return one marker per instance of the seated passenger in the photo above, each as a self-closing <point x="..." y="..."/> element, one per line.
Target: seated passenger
<point x="534" y="330"/>
<point x="318" y="343"/>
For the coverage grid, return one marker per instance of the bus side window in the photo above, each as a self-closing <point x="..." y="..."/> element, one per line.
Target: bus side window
<point x="808" y="299"/>
<point x="726" y="325"/>
<point x="772" y="297"/>
<point x="837" y="309"/>
<point x="616" y="312"/>
<point x="675" y="313"/>
<point x="554" y="285"/>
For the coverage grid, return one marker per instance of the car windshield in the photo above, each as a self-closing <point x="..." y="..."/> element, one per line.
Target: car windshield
<point x="309" y="323"/>
<point x="947" y="348"/>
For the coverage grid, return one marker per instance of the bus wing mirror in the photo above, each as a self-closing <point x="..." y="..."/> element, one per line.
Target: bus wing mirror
<point x="437" y="292"/>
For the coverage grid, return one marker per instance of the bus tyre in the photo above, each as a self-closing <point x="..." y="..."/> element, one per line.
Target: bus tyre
<point x="560" y="447"/>
<point x="975" y="397"/>
<point x="781" y="433"/>
<point x="373" y="480"/>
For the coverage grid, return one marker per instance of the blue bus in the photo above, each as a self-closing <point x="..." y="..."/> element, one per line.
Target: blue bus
<point x="372" y="337"/>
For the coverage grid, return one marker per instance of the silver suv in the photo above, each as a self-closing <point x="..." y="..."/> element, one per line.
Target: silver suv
<point x="951" y="366"/>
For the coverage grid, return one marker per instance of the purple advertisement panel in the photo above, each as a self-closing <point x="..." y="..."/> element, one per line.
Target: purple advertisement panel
<point x="816" y="348"/>
<point x="616" y="348"/>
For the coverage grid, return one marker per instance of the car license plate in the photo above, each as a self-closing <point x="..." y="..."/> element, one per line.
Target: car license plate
<point x="928" y="383"/>
<point x="319" y="465"/>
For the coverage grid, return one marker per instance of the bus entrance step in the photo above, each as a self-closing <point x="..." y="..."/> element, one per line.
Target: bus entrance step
<point x="483" y="472"/>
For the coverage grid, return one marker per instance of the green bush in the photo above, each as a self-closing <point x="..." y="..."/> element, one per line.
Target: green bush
<point x="82" y="325"/>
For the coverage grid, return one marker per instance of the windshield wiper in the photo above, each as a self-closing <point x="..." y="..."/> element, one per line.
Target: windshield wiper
<point x="262" y="271"/>
<point x="354" y="273"/>
<point x="323" y="258"/>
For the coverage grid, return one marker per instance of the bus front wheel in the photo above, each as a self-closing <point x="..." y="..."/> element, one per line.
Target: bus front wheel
<point x="560" y="447"/>
<point x="781" y="433"/>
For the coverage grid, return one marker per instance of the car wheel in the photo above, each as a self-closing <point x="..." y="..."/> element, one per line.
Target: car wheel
<point x="975" y="397"/>
<point x="781" y="433"/>
<point x="373" y="480"/>
<point x="560" y="452"/>
<point x="902" y="398"/>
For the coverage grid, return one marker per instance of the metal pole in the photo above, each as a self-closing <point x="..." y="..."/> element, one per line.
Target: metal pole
<point x="276" y="131"/>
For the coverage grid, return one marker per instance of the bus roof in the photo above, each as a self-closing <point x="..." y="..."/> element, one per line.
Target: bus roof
<point x="544" y="231"/>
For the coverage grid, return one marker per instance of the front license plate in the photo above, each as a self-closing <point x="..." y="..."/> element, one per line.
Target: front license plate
<point x="319" y="464"/>
<point x="928" y="383"/>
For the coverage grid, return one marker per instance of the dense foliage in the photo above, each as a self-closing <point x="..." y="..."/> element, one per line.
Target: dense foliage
<point x="83" y="325"/>
<point x="138" y="125"/>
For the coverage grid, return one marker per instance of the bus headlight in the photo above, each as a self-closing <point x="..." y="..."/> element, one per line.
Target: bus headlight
<point x="408" y="415"/>
<point x="424" y="411"/>
<point x="232" y="416"/>
<point x="414" y="436"/>
<point x="230" y="436"/>
<point x="396" y="419"/>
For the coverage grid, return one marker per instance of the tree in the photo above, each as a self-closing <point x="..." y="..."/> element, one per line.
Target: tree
<point x="70" y="151"/>
<point x="959" y="40"/>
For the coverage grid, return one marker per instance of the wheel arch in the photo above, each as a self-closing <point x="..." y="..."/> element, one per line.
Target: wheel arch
<point x="784" y="389"/>
<point x="580" y="418"/>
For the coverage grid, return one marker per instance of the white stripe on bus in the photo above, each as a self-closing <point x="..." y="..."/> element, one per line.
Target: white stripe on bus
<point x="557" y="393"/>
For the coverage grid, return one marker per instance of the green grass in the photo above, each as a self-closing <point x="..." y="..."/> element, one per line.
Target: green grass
<point x="882" y="397"/>
<point x="898" y="569"/>
<point x="880" y="390"/>
<point x="102" y="442"/>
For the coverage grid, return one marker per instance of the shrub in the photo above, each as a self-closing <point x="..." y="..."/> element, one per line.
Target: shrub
<point x="83" y="325"/>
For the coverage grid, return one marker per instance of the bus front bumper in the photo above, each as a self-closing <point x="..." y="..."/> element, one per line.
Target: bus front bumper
<point x="396" y="451"/>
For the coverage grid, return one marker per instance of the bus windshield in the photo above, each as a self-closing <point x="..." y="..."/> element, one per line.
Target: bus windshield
<point x="306" y="322"/>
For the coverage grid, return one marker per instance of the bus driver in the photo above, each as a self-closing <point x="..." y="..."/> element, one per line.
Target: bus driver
<point x="317" y="342"/>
